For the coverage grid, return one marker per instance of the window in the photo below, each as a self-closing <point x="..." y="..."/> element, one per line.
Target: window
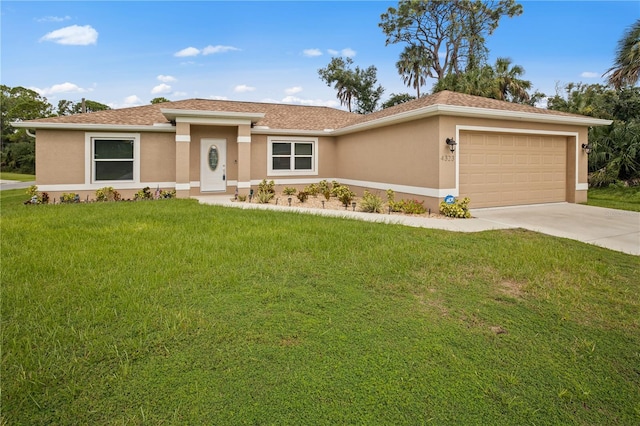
<point x="289" y="156"/>
<point x="112" y="157"/>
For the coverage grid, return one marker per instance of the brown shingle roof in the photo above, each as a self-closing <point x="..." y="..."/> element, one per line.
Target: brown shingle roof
<point x="459" y="100"/>
<point x="284" y="116"/>
<point x="277" y="116"/>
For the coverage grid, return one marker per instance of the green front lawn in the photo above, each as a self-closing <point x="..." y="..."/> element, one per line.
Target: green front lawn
<point x="622" y="198"/>
<point x="170" y="312"/>
<point x="17" y="176"/>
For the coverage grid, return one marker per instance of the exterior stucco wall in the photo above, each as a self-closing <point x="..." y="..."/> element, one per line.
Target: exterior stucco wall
<point x="60" y="157"/>
<point x="401" y="154"/>
<point x="157" y="157"/>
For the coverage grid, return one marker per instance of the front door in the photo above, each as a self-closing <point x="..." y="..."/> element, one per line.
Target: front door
<point x="213" y="165"/>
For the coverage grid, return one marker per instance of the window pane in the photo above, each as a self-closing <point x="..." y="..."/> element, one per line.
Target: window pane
<point x="114" y="170"/>
<point x="303" y="163"/>
<point x="304" y="149"/>
<point x="281" y="148"/>
<point x="281" y="163"/>
<point x="111" y="148"/>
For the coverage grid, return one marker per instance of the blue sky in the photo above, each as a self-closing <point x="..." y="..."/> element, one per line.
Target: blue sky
<point x="127" y="53"/>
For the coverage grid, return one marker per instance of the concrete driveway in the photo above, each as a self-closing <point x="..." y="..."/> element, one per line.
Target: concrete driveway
<point x="614" y="229"/>
<point x="14" y="184"/>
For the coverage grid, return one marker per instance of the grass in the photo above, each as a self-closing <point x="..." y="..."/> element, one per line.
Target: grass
<point x="170" y="312"/>
<point x="615" y="197"/>
<point x="17" y="176"/>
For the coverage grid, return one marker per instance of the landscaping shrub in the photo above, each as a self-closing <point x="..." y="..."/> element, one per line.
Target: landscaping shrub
<point x="107" y="194"/>
<point x="312" y="189"/>
<point x="412" y="206"/>
<point x="343" y="193"/>
<point x="303" y="196"/>
<point x="289" y="190"/>
<point x="168" y="194"/>
<point x="264" y="196"/>
<point x="325" y="189"/>
<point x="36" y="197"/>
<point x="265" y="186"/>
<point x="371" y="203"/>
<point x="144" y="194"/>
<point x="459" y="209"/>
<point x="70" y="198"/>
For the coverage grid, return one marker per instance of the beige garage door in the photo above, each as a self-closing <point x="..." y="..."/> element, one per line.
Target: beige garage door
<point x="504" y="169"/>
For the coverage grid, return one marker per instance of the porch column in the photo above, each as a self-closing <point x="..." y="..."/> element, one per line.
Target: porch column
<point x="183" y="139"/>
<point x="244" y="158"/>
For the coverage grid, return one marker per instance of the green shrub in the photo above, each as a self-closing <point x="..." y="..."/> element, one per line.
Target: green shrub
<point x="242" y="197"/>
<point x="412" y="206"/>
<point x="32" y="190"/>
<point x="36" y="197"/>
<point x="343" y="193"/>
<point x="458" y="209"/>
<point x="324" y="188"/>
<point x="312" y="189"/>
<point x="602" y="177"/>
<point x="394" y="206"/>
<point x="264" y="196"/>
<point x="69" y="198"/>
<point x="265" y="186"/>
<point x="107" y="194"/>
<point x="303" y="196"/>
<point x="371" y="203"/>
<point x="289" y="190"/>
<point x="144" y="194"/>
<point x="168" y="194"/>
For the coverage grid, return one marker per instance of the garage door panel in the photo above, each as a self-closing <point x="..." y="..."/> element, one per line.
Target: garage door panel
<point x="502" y="169"/>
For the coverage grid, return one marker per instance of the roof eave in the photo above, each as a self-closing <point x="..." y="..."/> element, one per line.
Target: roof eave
<point x="292" y="132"/>
<point x="200" y="115"/>
<point x="160" y="127"/>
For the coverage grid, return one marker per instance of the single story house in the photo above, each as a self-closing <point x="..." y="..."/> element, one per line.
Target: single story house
<point x="496" y="153"/>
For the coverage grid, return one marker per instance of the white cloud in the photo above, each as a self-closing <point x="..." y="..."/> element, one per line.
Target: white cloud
<point x="293" y="90"/>
<point x="53" y="19"/>
<point x="590" y="74"/>
<point x="311" y="52"/>
<point x="73" y="35"/>
<point x="166" y="78"/>
<point x="161" y="88"/>
<point x="243" y="88"/>
<point x="219" y="98"/>
<point x="209" y="50"/>
<point x="179" y="93"/>
<point x="189" y="51"/>
<point x="348" y="52"/>
<point x="132" y="100"/>
<point x="60" y="88"/>
<point x="313" y="102"/>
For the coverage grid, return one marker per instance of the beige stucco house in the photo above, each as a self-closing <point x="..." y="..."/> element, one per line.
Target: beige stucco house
<point x="497" y="153"/>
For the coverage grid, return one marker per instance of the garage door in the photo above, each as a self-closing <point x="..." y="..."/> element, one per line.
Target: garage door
<point x="504" y="169"/>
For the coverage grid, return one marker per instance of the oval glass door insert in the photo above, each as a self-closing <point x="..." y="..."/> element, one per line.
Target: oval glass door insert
<point x="213" y="158"/>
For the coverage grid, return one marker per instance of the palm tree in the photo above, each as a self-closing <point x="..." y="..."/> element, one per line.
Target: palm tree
<point x="413" y="66"/>
<point x="627" y="62"/>
<point x="508" y="84"/>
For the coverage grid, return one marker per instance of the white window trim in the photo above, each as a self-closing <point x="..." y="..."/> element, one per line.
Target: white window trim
<point x="291" y="139"/>
<point x="89" y="171"/>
